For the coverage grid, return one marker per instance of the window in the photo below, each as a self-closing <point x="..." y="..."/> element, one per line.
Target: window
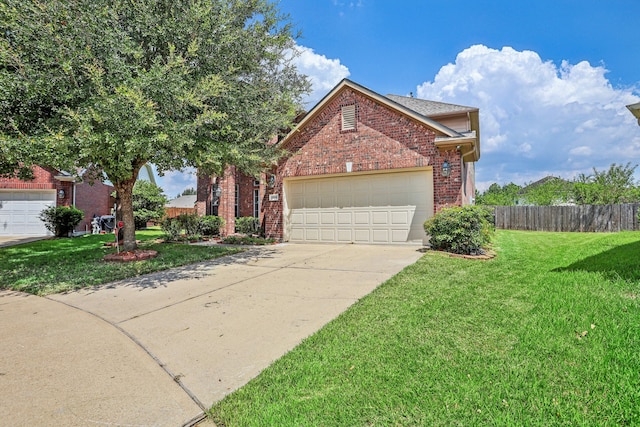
<point x="256" y="203"/>
<point x="237" y="204"/>
<point x="349" y="117"/>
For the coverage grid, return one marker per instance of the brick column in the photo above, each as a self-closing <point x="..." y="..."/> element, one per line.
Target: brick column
<point x="226" y="209"/>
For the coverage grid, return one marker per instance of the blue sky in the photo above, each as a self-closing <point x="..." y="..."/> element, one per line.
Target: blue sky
<point x="551" y="78"/>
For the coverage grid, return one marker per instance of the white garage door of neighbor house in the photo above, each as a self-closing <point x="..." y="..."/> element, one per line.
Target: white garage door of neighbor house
<point x="20" y="211"/>
<point x="365" y="208"/>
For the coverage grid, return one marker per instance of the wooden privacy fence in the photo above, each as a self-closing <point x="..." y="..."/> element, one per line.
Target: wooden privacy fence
<point x="174" y="212"/>
<point x="602" y="218"/>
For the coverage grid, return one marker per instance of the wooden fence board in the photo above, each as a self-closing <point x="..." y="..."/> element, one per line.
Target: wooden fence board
<point x="583" y="218"/>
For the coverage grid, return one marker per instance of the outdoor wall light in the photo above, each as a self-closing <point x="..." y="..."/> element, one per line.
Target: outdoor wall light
<point x="61" y="194"/>
<point x="272" y="181"/>
<point x="446" y="168"/>
<point x="217" y="191"/>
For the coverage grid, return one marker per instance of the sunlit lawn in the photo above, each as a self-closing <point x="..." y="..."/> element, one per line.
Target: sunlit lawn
<point x="58" y="265"/>
<point x="547" y="333"/>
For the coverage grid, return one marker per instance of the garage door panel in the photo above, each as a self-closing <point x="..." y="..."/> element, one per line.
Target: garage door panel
<point x="362" y="235"/>
<point x="328" y="218"/>
<point x="312" y="218"/>
<point x="399" y="235"/>
<point x="380" y="236"/>
<point x="378" y="208"/>
<point x="20" y="212"/>
<point x="360" y="218"/>
<point x="344" y="218"/>
<point x="401" y="217"/>
<point x="297" y="218"/>
<point x="327" y="235"/>
<point x="379" y="217"/>
<point x="344" y="235"/>
<point x="312" y="234"/>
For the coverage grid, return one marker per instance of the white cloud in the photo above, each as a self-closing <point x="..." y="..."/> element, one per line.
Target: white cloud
<point x="173" y="183"/>
<point x="324" y="73"/>
<point x="537" y="118"/>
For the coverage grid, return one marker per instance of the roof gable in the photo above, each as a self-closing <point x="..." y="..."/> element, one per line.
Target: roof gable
<point x="446" y="138"/>
<point x="346" y="83"/>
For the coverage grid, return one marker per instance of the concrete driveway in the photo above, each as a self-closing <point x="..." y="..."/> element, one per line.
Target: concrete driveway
<point x="159" y="349"/>
<point x="16" y="240"/>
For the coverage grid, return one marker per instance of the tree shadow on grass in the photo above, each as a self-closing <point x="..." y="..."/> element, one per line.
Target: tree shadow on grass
<point x="620" y="262"/>
<point x="197" y="270"/>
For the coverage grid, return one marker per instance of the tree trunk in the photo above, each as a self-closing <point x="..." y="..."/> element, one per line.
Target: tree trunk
<point x="125" y="192"/>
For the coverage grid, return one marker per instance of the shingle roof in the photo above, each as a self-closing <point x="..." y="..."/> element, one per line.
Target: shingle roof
<point x="182" y="202"/>
<point x="429" y="108"/>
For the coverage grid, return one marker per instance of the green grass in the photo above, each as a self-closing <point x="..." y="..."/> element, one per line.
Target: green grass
<point x="546" y="334"/>
<point x="59" y="265"/>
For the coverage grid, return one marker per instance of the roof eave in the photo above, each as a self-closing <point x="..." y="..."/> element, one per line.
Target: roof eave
<point x="467" y="145"/>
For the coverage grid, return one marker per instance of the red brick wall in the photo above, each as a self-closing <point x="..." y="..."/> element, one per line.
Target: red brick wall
<point x="204" y="196"/>
<point x="383" y="140"/>
<point x="44" y="179"/>
<point x="93" y="200"/>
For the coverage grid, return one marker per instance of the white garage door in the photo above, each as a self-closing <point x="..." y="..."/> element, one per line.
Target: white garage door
<point x="365" y="208"/>
<point x="20" y="211"/>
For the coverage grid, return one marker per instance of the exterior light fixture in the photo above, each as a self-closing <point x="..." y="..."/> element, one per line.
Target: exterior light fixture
<point x="635" y="110"/>
<point x="61" y="194"/>
<point x="217" y="191"/>
<point x="272" y="181"/>
<point x="446" y="168"/>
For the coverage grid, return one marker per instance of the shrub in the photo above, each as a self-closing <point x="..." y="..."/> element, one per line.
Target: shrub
<point x="210" y="225"/>
<point x="172" y="228"/>
<point x="461" y="230"/>
<point x="247" y="225"/>
<point x="61" y="220"/>
<point x="190" y="223"/>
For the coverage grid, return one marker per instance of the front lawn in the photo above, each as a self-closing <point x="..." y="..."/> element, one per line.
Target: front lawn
<point x="58" y="265"/>
<point x="547" y="333"/>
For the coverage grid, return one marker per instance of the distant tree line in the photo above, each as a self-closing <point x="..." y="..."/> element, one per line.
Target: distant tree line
<point x="612" y="186"/>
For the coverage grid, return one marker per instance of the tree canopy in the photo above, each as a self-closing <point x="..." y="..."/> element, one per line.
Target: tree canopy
<point x="114" y="84"/>
<point x="611" y="186"/>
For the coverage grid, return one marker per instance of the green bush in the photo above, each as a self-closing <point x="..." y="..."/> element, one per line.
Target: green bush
<point x="61" y="220"/>
<point x="190" y="224"/>
<point x="191" y="227"/>
<point x="210" y="225"/>
<point x="247" y="225"/>
<point x="461" y="230"/>
<point x="172" y="228"/>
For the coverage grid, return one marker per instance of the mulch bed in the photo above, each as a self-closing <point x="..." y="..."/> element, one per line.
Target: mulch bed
<point x="135" y="255"/>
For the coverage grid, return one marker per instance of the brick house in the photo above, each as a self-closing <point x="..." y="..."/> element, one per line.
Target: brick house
<point x="361" y="168"/>
<point x="22" y="201"/>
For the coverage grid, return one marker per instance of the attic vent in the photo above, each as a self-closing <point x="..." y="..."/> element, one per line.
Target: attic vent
<point x="348" y="117"/>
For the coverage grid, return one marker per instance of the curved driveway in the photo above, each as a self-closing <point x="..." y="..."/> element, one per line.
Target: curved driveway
<point x="158" y="349"/>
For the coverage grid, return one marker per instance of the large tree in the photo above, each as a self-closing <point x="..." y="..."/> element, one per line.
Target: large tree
<point x="611" y="186"/>
<point x="115" y="84"/>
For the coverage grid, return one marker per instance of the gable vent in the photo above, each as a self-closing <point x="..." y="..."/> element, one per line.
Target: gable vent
<point x="348" y="117"/>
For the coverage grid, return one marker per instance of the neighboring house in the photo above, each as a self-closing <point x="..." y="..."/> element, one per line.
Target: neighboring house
<point x="555" y="193"/>
<point x="22" y="201"/>
<point x="360" y="168"/>
<point x="181" y="205"/>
